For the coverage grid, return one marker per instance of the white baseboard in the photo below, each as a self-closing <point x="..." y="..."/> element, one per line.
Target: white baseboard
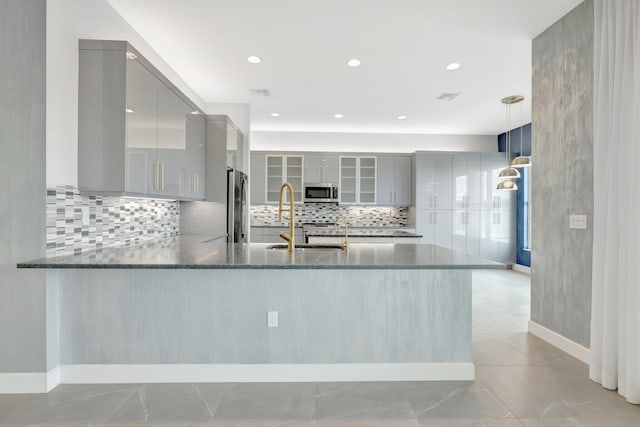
<point x="103" y="374"/>
<point x="29" y="382"/>
<point x="565" y="344"/>
<point x="521" y="268"/>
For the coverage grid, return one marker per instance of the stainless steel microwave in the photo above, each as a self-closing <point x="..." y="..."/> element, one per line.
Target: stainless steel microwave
<point x="320" y="192"/>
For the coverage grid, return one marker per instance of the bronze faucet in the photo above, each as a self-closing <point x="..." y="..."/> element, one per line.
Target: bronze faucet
<point x="290" y="236"/>
<point x="345" y="239"/>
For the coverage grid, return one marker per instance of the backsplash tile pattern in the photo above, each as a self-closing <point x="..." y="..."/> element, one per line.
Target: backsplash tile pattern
<point x="77" y="223"/>
<point x="325" y="213"/>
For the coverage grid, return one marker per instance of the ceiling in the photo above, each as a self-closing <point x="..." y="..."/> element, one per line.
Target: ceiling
<point x="404" y="46"/>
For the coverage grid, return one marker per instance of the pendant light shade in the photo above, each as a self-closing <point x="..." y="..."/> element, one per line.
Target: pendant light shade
<point x="521" y="162"/>
<point x="507" y="184"/>
<point x="509" y="173"/>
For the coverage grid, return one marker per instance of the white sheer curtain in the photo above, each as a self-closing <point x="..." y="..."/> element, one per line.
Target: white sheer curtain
<point x="615" y="308"/>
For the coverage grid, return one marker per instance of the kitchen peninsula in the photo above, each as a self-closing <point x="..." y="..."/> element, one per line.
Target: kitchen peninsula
<point x="191" y="308"/>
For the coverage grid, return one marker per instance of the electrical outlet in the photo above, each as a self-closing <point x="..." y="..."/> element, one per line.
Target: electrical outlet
<point x="578" y="222"/>
<point x="272" y="319"/>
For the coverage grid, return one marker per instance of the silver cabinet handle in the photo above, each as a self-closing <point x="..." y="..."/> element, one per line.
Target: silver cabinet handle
<point x="156" y="178"/>
<point x="162" y="175"/>
<point x="467" y="218"/>
<point x="435" y="217"/>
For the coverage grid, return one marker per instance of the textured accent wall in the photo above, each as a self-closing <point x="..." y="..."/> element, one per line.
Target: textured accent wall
<point x="78" y="222"/>
<point x="327" y="213"/>
<point x="22" y="174"/>
<point x="562" y="175"/>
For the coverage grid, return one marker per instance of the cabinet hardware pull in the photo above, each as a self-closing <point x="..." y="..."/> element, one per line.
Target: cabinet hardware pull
<point x="435" y="217"/>
<point x="162" y="176"/>
<point x="155" y="176"/>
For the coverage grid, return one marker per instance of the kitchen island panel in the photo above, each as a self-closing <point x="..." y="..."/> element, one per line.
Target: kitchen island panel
<point x="148" y="316"/>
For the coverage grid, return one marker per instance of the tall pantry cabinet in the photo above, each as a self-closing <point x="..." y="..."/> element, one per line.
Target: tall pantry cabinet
<point x="458" y="206"/>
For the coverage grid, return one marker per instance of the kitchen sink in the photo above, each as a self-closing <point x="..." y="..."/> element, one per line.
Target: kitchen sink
<point x="308" y="246"/>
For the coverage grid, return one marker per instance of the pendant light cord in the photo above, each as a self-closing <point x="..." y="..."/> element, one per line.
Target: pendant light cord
<point x="521" y="126"/>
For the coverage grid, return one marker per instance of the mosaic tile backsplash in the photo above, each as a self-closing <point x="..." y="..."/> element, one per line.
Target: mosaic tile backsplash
<point x="325" y="213"/>
<point x="77" y="223"/>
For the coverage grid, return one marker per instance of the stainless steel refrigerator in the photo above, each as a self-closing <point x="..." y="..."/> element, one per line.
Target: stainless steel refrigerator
<point x="236" y="206"/>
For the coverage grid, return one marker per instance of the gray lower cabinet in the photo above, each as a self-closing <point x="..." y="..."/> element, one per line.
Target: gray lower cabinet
<point x="137" y="133"/>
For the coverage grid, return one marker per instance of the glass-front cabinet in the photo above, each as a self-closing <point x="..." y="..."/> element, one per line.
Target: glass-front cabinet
<point x="280" y="169"/>
<point x="357" y="180"/>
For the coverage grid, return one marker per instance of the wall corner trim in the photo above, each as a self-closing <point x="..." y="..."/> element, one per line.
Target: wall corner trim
<point x="521" y="269"/>
<point x="29" y="382"/>
<point x="565" y="344"/>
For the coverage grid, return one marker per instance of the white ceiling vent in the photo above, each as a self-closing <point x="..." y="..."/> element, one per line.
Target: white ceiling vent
<point x="448" y="96"/>
<point x="260" y="92"/>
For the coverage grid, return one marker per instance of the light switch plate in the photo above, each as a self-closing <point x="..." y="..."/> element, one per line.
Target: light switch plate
<point x="578" y="222"/>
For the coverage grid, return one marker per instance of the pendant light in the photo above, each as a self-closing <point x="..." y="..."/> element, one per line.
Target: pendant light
<point x="521" y="161"/>
<point x="509" y="174"/>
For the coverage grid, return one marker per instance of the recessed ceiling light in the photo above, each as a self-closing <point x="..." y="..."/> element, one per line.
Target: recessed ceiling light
<point x="338" y="116"/>
<point x="131" y="55"/>
<point x="129" y="110"/>
<point x="275" y="114"/>
<point x="353" y="62"/>
<point x="195" y="113"/>
<point x="402" y="117"/>
<point x="254" y="59"/>
<point x="453" y="66"/>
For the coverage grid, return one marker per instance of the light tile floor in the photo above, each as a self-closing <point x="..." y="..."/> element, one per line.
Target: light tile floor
<point x="521" y="381"/>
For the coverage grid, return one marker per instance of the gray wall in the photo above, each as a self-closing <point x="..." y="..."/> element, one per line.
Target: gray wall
<point x="22" y="174"/>
<point x="562" y="174"/>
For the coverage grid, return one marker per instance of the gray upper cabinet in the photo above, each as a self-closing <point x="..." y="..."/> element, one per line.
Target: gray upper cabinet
<point x="320" y="167"/>
<point x="223" y="139"/>
<point x="394" y="187"/>
<point x="137" y="133"/>
<point x="358" y="180"/>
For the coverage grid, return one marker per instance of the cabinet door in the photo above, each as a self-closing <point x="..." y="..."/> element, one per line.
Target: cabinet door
<point x="459" y="230"/>
<point x="257" y="179"/>
<point x="473" y="232"/>
<point x="442" y="181"/>
<point x="141" y="133"/>
<point x="367" y="180"/>
<point x="474" y="181"/>
<point x="402" y="181"/>
<point x="489" y="234"/>
<point x="294" y="175"/>
<point x="274" y="170"/>
<point x="425" y="225"/>
<point x="196" y="157"/>
<point x="386" y="180"/>
<point x="460" y="181"/>
<point x="348" y="180"/>
<point x="425" y="181"/>
<point x="312" y="168"/>
<point x="330" y="171"/>
<point x="172" y="142"/>
<point x="443" y="228"/>
<point x="491" y="164"/>
<point x="232" y="146"/>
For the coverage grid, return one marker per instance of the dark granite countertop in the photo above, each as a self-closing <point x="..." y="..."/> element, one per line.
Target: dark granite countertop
<point x="198" y="252"/>
<point x="357" y="232"/>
